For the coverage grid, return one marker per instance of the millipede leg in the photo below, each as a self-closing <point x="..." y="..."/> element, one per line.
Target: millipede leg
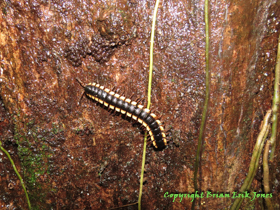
<point x="159" y="117"/>
<point x="139" y="100"/>
<point x="131" y="95"/>
<point x="80" y="82"/>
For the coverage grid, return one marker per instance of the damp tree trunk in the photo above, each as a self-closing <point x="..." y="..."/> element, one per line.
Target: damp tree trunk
<point x="74" y="154"/>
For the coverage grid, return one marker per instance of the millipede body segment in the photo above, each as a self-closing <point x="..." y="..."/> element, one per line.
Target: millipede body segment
<point x="129" y="108"/>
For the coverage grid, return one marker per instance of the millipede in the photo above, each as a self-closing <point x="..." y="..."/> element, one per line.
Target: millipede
<point x="129" y="108"/>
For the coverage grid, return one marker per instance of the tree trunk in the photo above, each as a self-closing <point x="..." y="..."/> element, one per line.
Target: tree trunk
<point x="79" y="156"/>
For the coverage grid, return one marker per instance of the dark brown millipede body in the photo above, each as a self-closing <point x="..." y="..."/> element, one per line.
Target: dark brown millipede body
<point x="129" y="108"/>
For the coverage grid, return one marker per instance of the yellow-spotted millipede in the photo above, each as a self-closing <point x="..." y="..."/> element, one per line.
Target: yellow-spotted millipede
<point x="129" y="108"/>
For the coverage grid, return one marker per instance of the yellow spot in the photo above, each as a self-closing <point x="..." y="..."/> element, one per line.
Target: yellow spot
<point x="100" y="101"/>
<point x="153" y="140"/>
<point x="123" y="112"/>
<point x="164" y="140"/>
<point x="133" y="103"/>
<point x="145" y="124"/>
<point x="106" y="104"/>
<point x="134" y="117"/>
<point x="147" y="110"/>
<point x="101" y="87"/>
<point x="117" y="95"/>
<point x="128" y="114"/>
<point x="112" y="93"/>
<point x="97" y="85"/>
<point x="140" y="121"/>
<point x="118" y="109"/>
<point x="107" y="90"/>
<point x="161" y="128"/>
<point x="122" y="98"/>
<point x="127" y="100"/>
<point x="154" y="143"/>
<point x="153" y="115"/>
<point x="140" y="106"/>
<point x="111" y="107"/>
<point x="91" y="97"/>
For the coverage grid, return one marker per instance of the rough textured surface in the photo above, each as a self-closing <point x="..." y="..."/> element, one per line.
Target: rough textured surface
<point x="81" y="157"/>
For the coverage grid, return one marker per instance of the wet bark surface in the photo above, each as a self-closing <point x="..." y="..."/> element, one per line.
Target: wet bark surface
<point x="79" y="156"/>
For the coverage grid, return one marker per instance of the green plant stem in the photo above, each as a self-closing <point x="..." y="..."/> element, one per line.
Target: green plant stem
<point x="254" y="160"/>
<point x="152" y="54"/>
<point x="142" y="171"/>
<point x="149" y="101"/>
<point x="15" y="169"/>
<point x="266" y="175"/>
<point x="275" y="103"/>
<point x="266" y="168"/>
<point x="205" y="107"/>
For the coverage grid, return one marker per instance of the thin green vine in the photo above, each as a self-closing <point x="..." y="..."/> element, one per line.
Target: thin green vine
<point x="205" y="107"/>
<point x="152" y="54"/>
<point x="15" y="169"/>
<point x="275" y="105"/>
<point x="254" y="160"/>
<point x="149" y="100"/>
<point x="266" y="175"/>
